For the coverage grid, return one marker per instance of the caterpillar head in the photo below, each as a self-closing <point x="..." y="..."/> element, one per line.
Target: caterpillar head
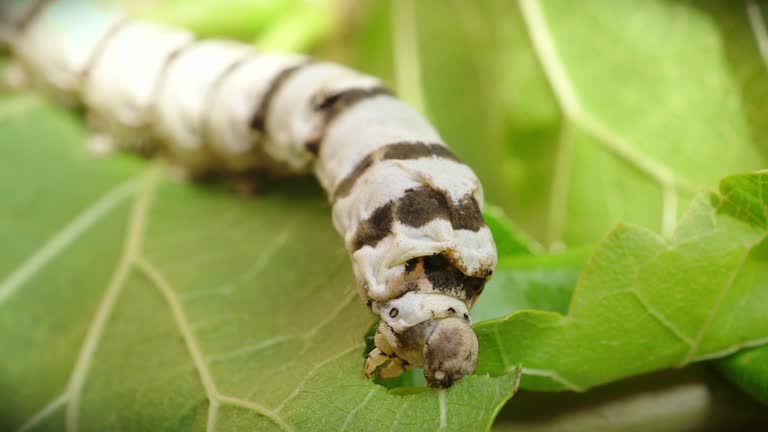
<point x="450" y="352"/>
<point x="424" y="330"/>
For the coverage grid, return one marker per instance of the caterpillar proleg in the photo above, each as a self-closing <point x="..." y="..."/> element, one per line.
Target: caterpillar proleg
<point x="408" y="209"/>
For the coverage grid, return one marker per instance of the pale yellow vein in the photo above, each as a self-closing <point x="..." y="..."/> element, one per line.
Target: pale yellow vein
<point x="357" y="408"/>
<point x="64" y="238"/>
<point x="159" y="281"/>
<point x="715" y="308"/>
<point x="131" y="248"/>
<point x="443" y="410"/>
<point x="312" y="372"/>
<point x="546" y="51"/>
<point x="46" y="411"/>
<point x="554" y="376"/>
<point x="193" y="346"/>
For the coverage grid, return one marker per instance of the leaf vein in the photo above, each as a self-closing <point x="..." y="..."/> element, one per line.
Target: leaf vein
<point x="443" y="410"/>
<point x="357" y="408"/>
<point x="131" y="247"/>
<point x="312" y="371"/>
<point x="715" y="308"/>
<point x="554" y="376"/>
<point x="47" y="410"/>
<point x="202" y="367"/>
<point x="572" y="111"/>
<point x="65" y="237"/>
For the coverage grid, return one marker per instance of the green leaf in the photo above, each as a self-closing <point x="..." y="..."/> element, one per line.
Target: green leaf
<point x="644" y="302"/>
<point x="282" y="25"/>
<point x="543" y="282"/>
<point x="572" y="130"/>
<point x="694" y="398"/>
<point x="223" y="18"/>
<point x="129" y="301"/>
<point x="510" y="239"/>
<point x="749" y="369"/>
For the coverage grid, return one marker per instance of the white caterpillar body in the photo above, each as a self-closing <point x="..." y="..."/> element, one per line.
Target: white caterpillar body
<point x="408" y="209"/>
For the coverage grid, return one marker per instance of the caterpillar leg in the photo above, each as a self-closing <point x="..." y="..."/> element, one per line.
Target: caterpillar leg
<point x="382" y="360"/>
<point x="446" y="347"/>
<point x="384" y="365"/>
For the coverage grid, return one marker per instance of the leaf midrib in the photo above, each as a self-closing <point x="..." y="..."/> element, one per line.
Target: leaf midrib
<point x="574" y="114"/>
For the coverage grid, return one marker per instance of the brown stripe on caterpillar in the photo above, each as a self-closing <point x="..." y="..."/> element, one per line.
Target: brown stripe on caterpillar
<point x="99" y="50"/>
<point x="206" y="120"/>
<point x="423" y="204"/>
<point x="333" y="104"/>
<point x="372" y="230"/>
<point x="396" y="151"/>
<point x="259" y="119"/>
<point x="445" y="277"/>
<point x="417" y="207"/>
<point x="162" y="76"/>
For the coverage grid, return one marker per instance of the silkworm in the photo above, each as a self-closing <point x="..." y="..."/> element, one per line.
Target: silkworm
<point x="408" y="209"/>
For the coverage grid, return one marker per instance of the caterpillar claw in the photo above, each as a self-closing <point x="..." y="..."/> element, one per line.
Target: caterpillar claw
<point x="376" y="361"/>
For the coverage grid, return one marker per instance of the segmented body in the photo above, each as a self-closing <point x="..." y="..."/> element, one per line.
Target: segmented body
<point x="408" y="208"/>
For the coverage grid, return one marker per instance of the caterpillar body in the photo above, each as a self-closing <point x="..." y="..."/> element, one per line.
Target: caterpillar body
<point x="408" y="209"/>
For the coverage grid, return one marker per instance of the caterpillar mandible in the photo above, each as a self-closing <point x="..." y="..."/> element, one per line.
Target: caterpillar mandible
<point x="408" y="209"/>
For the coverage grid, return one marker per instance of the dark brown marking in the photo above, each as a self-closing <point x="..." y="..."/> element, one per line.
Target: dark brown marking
<point x="345" y="186"/>
<point x="417" y="150"/>
<point x="259" y="119"/>
<point x="396" y="151"/>
<point x="417" y="207"/>
<point x="466" y="214"/>
<point x="446" y="278"/>
<point x="411" y="265"/>
<point x="372" y="230"/>
<point x="422" y="205"/>
<point x="333" y="104"/>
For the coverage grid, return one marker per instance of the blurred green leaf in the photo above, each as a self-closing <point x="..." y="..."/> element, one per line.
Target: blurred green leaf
<point x="580" y="115"/>
<point x="240" y="19"/>
<point x="543" y="282"/>
<point x="749" y="369"/>
<point x="510" y="239"/>
<point x="131" y="302"/>
<point x="644" y="302"/>
<point x="694" y="398"/>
